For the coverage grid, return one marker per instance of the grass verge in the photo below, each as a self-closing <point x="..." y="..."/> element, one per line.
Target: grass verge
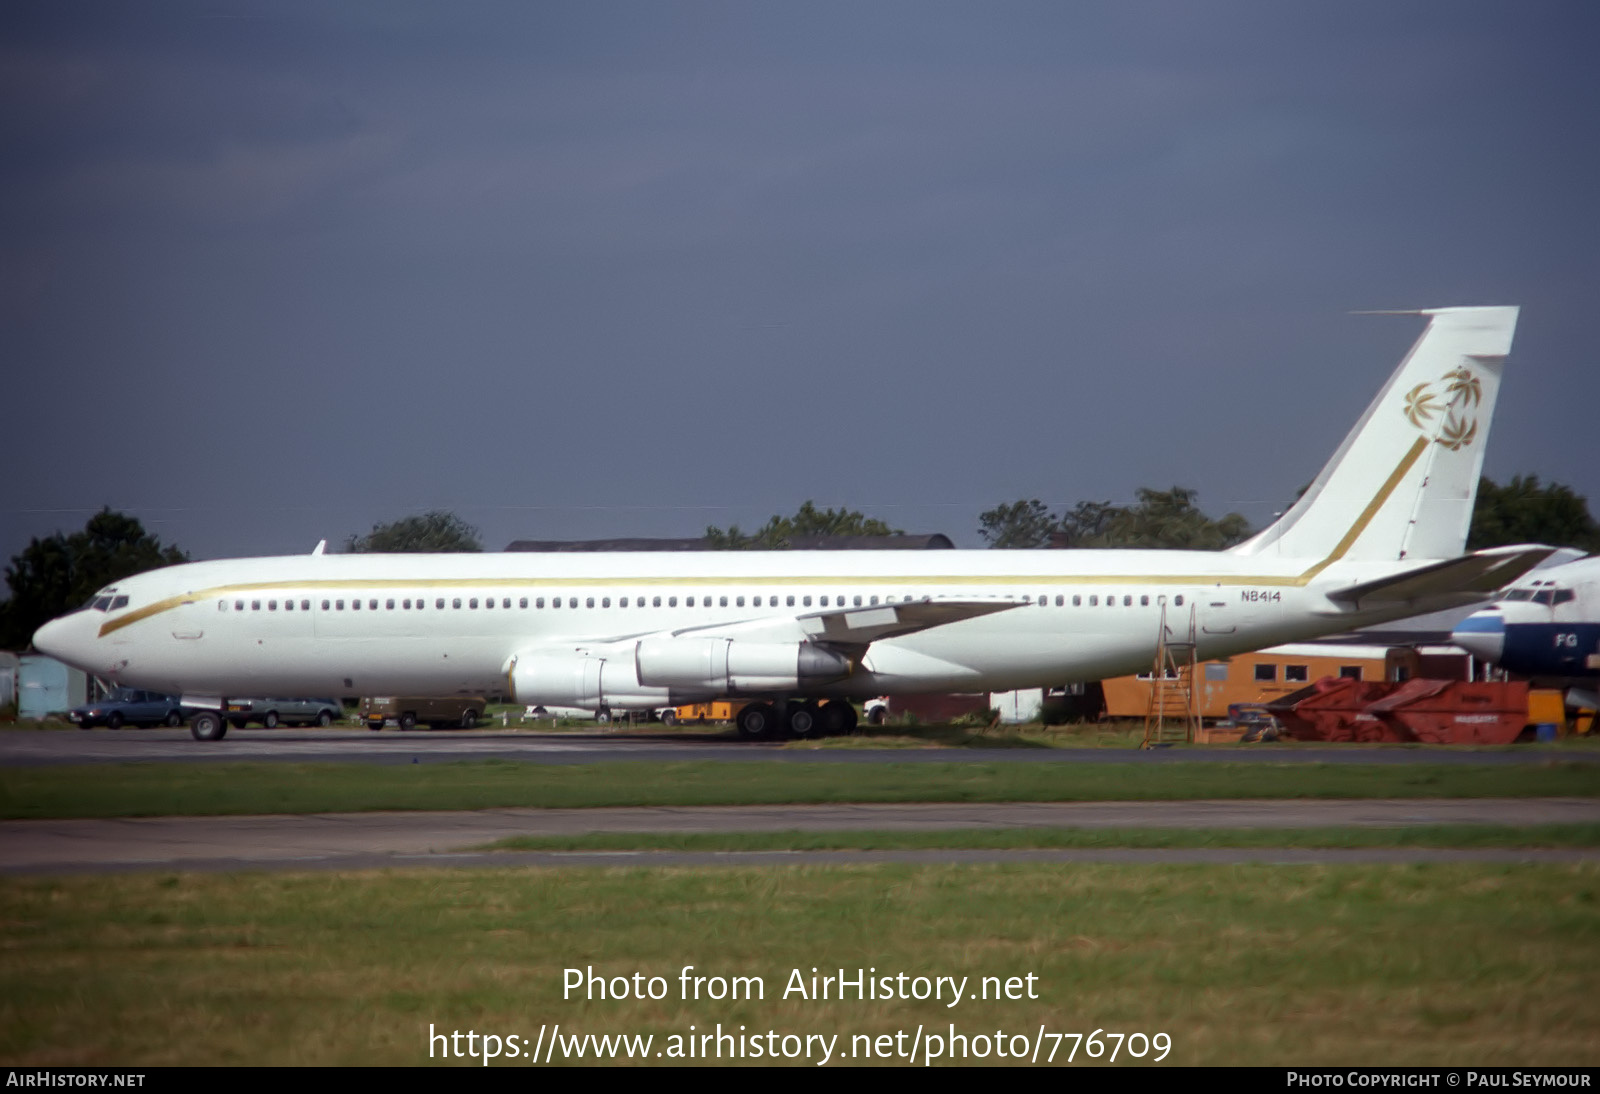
<point x="133" y="790"/>
<point x="1245" y="965"/>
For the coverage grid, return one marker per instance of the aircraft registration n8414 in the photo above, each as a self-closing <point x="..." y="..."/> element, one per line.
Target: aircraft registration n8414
<point x="1378" y="535"/>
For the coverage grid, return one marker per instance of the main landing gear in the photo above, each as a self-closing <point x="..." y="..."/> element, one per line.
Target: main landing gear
<point x="813" y="718"/>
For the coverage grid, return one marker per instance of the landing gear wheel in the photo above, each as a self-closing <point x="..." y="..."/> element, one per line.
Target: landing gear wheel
<point x="838" y="717"/>
<point x="408" y="721"/>
<point x="114" y="721"/>
<point x="805" y="720"/>
<point x="271" y="720"/>
<point x="208" y="725"/>
<point x="174" y="719"/>
<point x="469" y="720"/>
<point x="757" y="720"/>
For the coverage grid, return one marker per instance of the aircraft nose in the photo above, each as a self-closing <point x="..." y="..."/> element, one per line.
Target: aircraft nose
<point x="1482" y="634"/>
<point x="52" y="639"/>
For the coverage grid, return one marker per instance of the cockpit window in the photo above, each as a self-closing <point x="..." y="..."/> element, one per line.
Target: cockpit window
<point x="118" y="602"/>
<point x="1520" y="594"/>
<point x="1564" y="595"/>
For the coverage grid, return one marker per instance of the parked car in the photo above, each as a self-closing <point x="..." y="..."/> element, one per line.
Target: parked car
<point x="127" y="707"/>
<point x="436" y="712"/>
<point x="289" y="712"/>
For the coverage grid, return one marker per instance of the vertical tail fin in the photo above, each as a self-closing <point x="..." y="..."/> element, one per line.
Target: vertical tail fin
<point x="1402" y="484"/>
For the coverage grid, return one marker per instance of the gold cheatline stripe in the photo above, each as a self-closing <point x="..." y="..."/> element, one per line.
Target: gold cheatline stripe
<point x="1296" y="581"/>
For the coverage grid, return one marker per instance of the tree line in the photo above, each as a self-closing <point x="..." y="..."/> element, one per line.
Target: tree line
<point x="59" y="573"/>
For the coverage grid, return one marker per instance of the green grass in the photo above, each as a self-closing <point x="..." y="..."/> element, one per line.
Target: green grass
<point x="1437" y="835"/>
<point x="130" y="790"/>
<point x="1250" y="965"/>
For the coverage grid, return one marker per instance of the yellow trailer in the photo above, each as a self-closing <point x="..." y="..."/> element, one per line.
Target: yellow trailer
<point x="718" y="710"/>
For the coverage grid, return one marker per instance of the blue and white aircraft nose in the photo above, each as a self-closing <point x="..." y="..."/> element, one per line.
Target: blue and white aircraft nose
<point x="1482" y="634"/>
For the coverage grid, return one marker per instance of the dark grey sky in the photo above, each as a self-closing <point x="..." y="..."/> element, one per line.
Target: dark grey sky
<point x="272" y="272"/>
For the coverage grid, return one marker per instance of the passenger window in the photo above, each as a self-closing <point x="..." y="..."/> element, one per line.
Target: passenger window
<point x="472" y="603"/>
<point x="373" y="605"/>
<point x="689" y="603"/>
<point x="439" y="603"/>
<point x="1094" y="600"/>
<point x="272" y="605"/>
<point x="523" y="603"/>
<point x="1144" y="602"/>
<point x="605" y="602"/>
<point x="672" y="601"/>
<point x="355" y="605"/>
<point x="789" y="602"/>
<point x="858" y="601"/>
<point x="288" y="605"/>
<point x="806" y="600"/>
<point x="874" y="600"/>
<point x="824" y="601"/>
<point x="588" y="602"/>
<point x="537" y="603"/>
<point x="255" y="605"/>
<point x="324" y="605"/>
<point x="1060" y="600"/>
<point x="1178" y="600"/>
<point x="1127" y="601"/>
<point x="389" y="604"/>
<point x="340" y="605"/>
<point x="723" y="601"/>
<point x="1077" y="600"/>
<point x="305" y="605"/>
<point x="238" y="605"/>
<point x="505" y="602"/>
<point x="555" y="602"/>
<point x="572" y="602"/>
<point x="455" y="602"/>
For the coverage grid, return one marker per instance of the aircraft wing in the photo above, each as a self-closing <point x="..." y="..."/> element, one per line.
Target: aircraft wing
<point x="862" y="626"/>
<point x="842" y="627"/>
<point x="1459" y="580"/>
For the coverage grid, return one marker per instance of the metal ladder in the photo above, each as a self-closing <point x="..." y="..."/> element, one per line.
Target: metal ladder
<point x="1172" y="716"/>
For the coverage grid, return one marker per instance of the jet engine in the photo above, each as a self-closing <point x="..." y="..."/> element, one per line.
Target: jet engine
<point x="725" y="666"/>
<point x="585" y="681"/>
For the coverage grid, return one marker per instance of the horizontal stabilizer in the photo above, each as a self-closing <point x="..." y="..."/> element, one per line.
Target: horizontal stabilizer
<point x="1454" y="581"/>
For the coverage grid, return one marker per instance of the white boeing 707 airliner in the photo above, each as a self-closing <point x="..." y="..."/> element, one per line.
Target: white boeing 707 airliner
<point x="1377" y="536"/>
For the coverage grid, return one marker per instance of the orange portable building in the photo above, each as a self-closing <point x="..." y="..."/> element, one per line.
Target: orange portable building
<point x="1269" y="674"/>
